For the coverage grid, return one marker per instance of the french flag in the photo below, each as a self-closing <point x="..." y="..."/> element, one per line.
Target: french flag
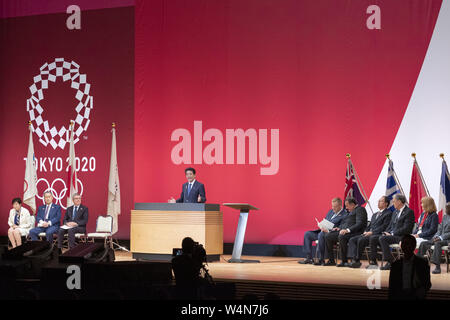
<point x="444" y="189"/>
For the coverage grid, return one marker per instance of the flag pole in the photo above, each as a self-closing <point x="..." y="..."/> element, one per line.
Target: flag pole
<point x="395" y="176"/>
<point x="443" y="160"/>
<point x="442" y="156"/>
<point x="30" y="199"/>
<point x="115" y="242"/>
<point x="420" y="173"/>
<point x="348" y="156"/>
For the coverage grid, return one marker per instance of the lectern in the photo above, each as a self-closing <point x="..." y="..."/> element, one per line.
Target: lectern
<point x="244" y="209"/>
<point x="157" y="228"/>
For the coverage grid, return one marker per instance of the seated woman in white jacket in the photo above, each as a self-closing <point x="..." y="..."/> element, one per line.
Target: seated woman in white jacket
<point x="19" y="222"/>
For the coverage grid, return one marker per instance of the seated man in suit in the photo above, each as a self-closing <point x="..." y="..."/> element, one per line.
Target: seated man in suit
<point x="440" y="239"/>
<point x="192" y="191"/>
<point x="335" y="216"/>
<point x="379" y="223"/>
<point x="353" y="224"/>
<point x="402" y="223"/>
<point x="409" y="278"/>
<point x="76" y="218"/>
<point x="48" y="218"/>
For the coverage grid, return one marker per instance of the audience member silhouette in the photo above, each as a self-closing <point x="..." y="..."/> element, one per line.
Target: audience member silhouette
<point x="409" y="278"/>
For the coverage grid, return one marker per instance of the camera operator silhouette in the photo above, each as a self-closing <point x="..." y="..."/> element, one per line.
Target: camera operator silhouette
<point x="188" y="268"/>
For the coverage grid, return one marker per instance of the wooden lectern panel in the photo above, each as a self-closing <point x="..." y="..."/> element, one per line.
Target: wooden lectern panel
<point x="158" y="232"/>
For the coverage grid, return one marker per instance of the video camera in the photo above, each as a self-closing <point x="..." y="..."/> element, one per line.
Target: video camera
<point x="198" y="253"/>
<point x="199" y="257"/>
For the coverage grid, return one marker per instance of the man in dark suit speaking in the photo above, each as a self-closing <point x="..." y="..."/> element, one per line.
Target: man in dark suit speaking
<point x="192" y="191"/>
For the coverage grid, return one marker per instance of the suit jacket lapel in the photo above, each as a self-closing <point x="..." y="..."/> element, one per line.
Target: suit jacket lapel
<point x="80" y="210"/>
<point x="185" y="188"/>
<point x="194" y="185"/>
<point x="383" y="213"/>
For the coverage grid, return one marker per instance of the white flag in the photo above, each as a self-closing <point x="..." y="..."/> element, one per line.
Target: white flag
<point x="30" y="189"/>
<point x="72" y="171"/>
<point x="113" y="185"/>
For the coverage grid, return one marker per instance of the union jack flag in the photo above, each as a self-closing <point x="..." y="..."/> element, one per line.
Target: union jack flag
<point x="352" y="188"/>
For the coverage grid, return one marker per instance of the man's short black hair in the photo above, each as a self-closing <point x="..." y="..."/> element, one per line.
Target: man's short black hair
<point x="386" y="200"/>
<point x="187" y="245"/>
<point x="351" y="200"/>
<point x="408" y="241"/>
<point x="189" y="169"/>
<point x="18" y="200"/>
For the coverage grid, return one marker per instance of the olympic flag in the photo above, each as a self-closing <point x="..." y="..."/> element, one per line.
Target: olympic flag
<point x="30" y="189"/>
<point x="113" y="185"/>
<point x="72" y="178"/>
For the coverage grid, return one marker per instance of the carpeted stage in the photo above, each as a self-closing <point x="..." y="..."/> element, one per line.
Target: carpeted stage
<point x="291" y="280"/>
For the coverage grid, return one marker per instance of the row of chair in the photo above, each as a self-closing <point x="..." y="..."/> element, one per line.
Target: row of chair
<point x="103" y="230"/>
<point x="397" y="253"/>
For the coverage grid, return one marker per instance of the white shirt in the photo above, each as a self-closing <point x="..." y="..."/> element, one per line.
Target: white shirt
<point x="47" y="213"/>
<point x="191" y="183"/>
<point x="400" y="212"/>
<point x="335" y="214"/>
<point x="48" y="207"/>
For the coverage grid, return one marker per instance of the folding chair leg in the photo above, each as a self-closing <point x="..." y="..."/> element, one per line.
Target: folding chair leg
<point x="446" y="259"/>
<point x="315" y="255"/>
<point x="367" y="253"/>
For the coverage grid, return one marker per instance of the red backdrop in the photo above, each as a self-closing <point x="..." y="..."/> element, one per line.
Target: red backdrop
<point x="104" y="50"/>
<point x="310" y="69"/>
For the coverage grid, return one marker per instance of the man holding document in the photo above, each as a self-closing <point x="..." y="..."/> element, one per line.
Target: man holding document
<point x="333" y="217"/>
<point x="75" y="221"/>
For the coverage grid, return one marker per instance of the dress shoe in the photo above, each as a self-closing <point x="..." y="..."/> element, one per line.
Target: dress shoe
<point x="330" y="263"/>
<point x="319" y="263"/>
<point x="436" y="270"/>
<point x="343" y="264"/>
<point x="306" y="261"/>
<point x="387" y="266"/>
<point x="372" y="265"/>
<point x="355" y="264"/>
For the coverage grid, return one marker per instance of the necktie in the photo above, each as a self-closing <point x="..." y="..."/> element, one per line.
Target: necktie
<point x="395" y="221"/>
<point x="397" y="215"/>
<point x="75" y="209"/>
<point x="47" y="210"/>
<point x="189" y="188"/>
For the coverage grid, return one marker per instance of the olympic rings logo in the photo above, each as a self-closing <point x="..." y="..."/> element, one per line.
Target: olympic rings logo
<point x="50" y="72"/>
<point x="57" y="184"/>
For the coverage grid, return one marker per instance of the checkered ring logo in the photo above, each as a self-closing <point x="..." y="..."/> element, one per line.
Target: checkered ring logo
<point x="46" y="133"/>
